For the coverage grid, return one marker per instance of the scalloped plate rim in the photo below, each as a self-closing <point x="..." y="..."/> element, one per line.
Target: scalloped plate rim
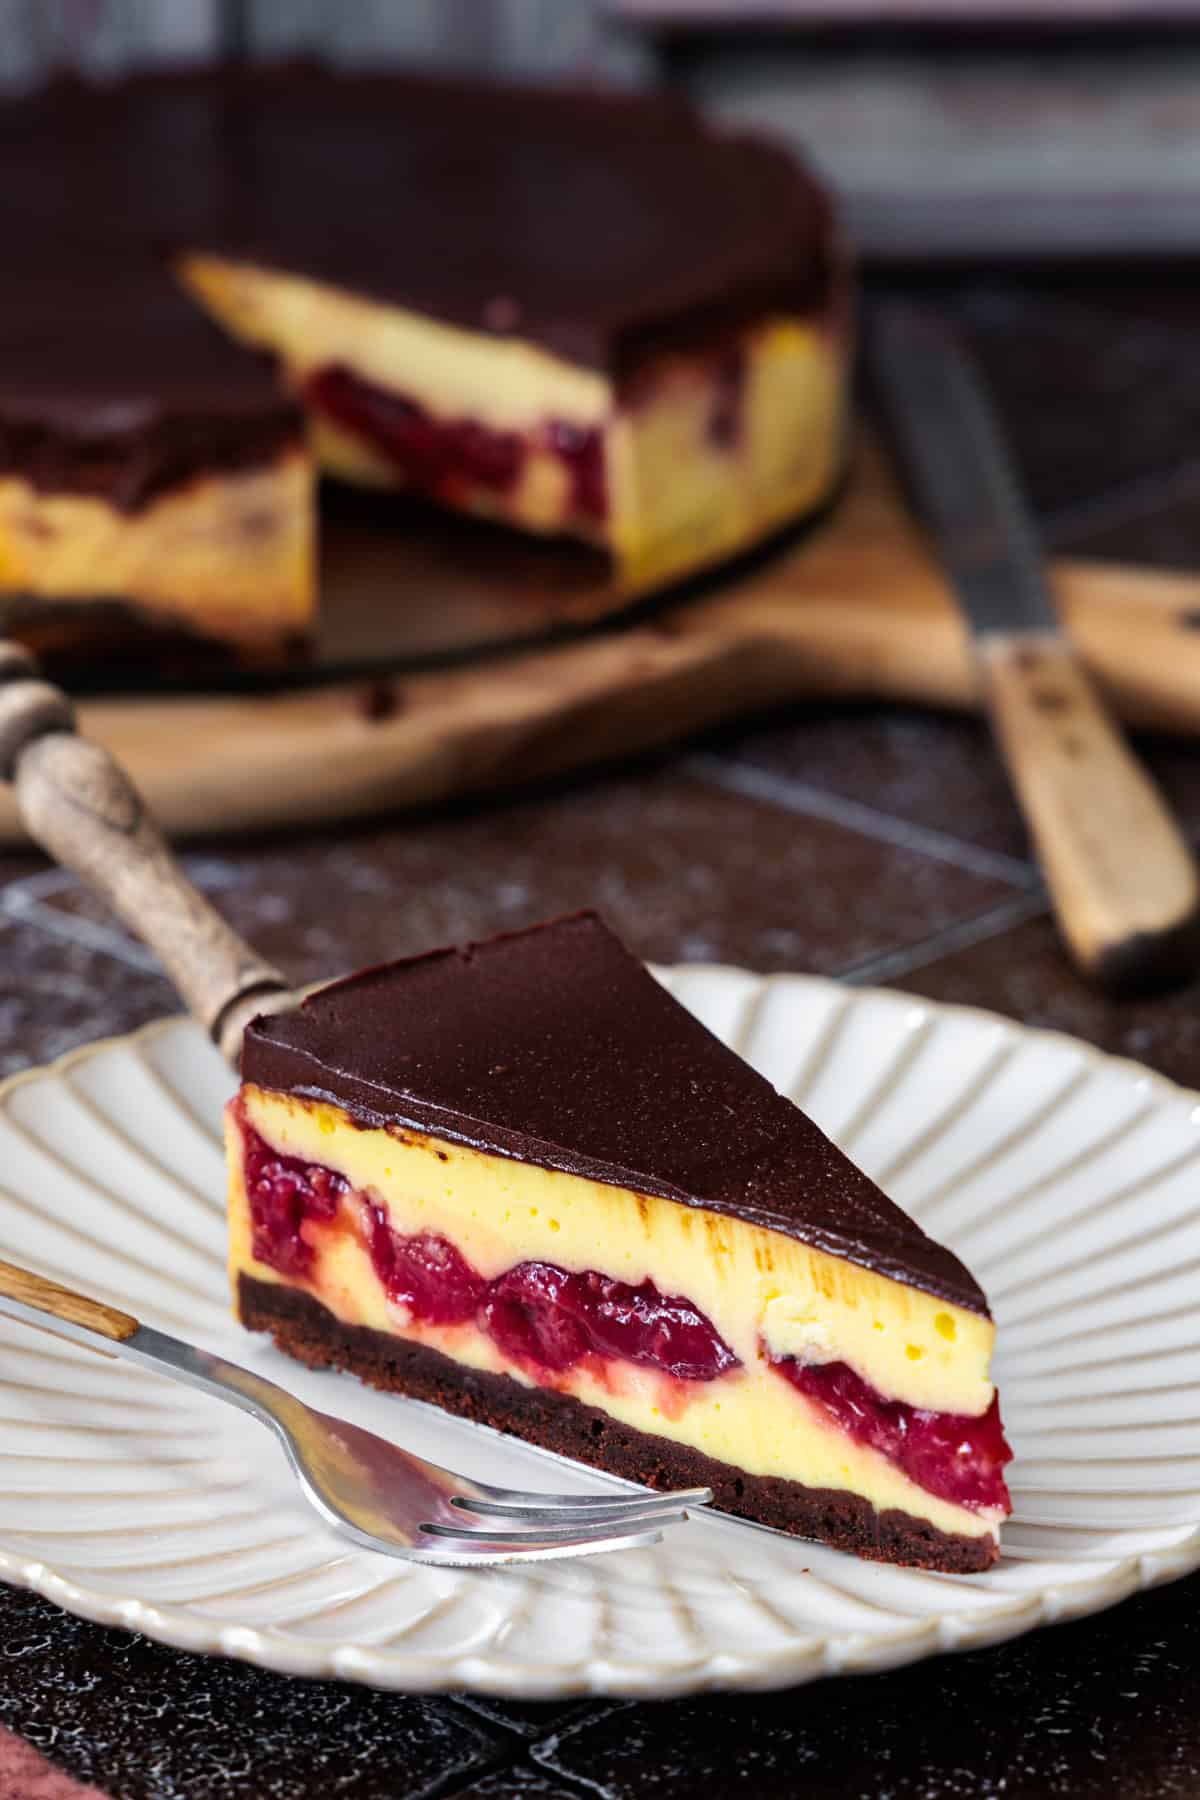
<point x="1100" y="1584"/>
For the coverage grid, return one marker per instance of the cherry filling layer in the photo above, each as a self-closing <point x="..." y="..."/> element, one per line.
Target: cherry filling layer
<point x="545" y="1317"/>
<point x="956" y="1457"/>
<point x="446" y="458"/>
<point x="726" y="418"/>
<point x="549" y="1320"/>
<point x="539" y="1313"/>
<point x="284" y="1193"/>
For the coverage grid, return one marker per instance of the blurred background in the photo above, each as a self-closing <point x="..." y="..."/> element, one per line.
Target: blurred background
<point x="972" y="127"/>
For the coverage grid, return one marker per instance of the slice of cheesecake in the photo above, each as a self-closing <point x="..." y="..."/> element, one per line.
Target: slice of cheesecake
<point x="519" y="1180"/>
<point x="571" y="312"/>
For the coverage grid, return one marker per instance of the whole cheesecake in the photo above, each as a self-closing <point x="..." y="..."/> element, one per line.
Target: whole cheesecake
<point x="577" y="314"/>
<point x="573" y="312"/>
<point x="519" y="1180"/>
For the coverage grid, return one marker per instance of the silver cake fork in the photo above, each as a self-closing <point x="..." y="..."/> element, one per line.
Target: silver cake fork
<point x="365" y="1487"/>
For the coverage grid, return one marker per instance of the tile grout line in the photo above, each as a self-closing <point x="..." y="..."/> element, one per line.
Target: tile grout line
<point x="506" y="1751"/>
<point x="790" y="794"/>
<point x="543" y="1752"/>
<point x="893" y="965"/>
<point x="1122" y="505"/>
<point x="517" y="1746"/>
<point x="23" y="902"/>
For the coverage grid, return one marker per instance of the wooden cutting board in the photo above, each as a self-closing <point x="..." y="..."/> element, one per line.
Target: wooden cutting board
<point x="857" y="609"/>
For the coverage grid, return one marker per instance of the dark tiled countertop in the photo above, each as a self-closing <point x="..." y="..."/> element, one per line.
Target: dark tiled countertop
<point x="876" y="845"/>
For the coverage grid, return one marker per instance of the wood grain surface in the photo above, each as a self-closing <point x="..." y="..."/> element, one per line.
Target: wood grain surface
<point x="1120" y="873"/>
<point x="79" y="805"/>
<point x="855" y="610"/>
<point x="60" y="1302"/>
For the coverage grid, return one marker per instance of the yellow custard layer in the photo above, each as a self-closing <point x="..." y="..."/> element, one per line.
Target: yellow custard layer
<point x="678" y="497"/>
<point x="754" y="1285"/>
<point x="230" y="554"/>
<point x="682" y="500"/>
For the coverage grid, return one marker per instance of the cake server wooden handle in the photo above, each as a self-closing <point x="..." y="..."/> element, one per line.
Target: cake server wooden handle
<point x="46" y="1296"/>
<point x="1120" y="872"/>
<point x="81" y="807"/>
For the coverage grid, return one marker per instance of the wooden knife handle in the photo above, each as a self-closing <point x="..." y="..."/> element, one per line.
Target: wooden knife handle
<point x="1121" y="876"/>
<point x="62" y="1303"/>
<point x="81" y="807"/>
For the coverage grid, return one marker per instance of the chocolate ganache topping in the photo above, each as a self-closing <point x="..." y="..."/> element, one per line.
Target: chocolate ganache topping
<point x="600" y="226"/>
<point x="555" y="1046"/>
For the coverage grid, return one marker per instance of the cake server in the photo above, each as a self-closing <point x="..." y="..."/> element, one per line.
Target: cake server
<point x="81" y="807"/>
<point x="368" y="1489"/>
<point x="1121" y="876"/>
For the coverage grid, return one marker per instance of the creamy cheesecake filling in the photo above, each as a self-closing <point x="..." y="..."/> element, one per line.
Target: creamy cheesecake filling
<point x="692" y="457"/>
<point x="551" y="477"/>
<point x="231" y="553"/>
<point x="644" y="1336"/>
<point x="712" y="450"/>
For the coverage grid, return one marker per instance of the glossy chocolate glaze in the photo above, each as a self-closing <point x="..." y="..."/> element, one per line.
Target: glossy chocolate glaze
<point x="595" y="224"/>
<point x="598" y="226"/>
<point x="555" y="1046"/>
<point x="112" y="382"/>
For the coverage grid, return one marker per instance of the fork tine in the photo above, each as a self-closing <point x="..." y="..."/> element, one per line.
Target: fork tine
<point x="546" y="1509"/>
<point x="535" y="1518"/>
<point x="503" y="1503"/>
<point x="450" y="1553"/>
<point x="552" y="1534"/>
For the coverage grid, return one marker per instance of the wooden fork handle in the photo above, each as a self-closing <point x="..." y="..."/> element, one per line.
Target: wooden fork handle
<point x="63" y="1303"/>
<point x="81" y="807"/>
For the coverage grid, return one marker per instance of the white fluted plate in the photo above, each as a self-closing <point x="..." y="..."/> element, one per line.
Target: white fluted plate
<point x="1068" y="1181"/>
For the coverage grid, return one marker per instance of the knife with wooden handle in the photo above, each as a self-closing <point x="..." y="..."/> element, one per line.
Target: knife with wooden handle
<point x="1120" y="873"/>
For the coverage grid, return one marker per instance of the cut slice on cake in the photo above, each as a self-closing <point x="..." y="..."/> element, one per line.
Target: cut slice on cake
<point x="518" y="1179"/>
<point x="572" y="312"/>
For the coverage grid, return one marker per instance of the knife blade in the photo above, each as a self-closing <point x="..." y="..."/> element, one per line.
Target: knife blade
<point x="1122" y="879"/>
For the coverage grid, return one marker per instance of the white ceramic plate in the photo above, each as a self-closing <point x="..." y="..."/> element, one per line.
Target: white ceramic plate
<point x="1069" y="1182"/>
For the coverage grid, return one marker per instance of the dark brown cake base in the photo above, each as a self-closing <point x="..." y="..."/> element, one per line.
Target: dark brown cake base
<point x="97" y="642"/>
<point x="308" y="1331"/>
